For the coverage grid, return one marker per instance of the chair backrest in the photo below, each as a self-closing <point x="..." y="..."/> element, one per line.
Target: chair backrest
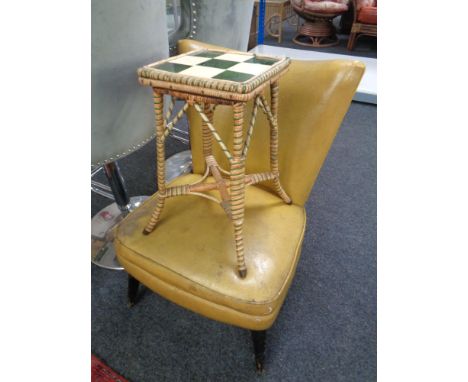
<point x="365" y="3"/>
<point x="125" y="35"/>
<point x="314" y="97"/>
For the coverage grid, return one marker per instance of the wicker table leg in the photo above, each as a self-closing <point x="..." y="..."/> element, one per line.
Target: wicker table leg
<point x="237" y="186"/>
<point x="274" y="143"/>
<point x="206" y="133"/>
<point x="161" y="165"/>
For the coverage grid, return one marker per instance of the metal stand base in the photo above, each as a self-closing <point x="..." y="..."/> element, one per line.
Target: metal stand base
<point x="178" y="164"/>
<point x="104" y="222"/>
<point x="102" y="233"/>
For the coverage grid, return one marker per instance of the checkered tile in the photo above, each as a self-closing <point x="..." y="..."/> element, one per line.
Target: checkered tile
<point x="218" y="65"/>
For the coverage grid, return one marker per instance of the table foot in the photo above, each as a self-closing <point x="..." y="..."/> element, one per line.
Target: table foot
<point x="155" y="216"/>
<point x="280" y="191"/>
<point x="242" y="268"/>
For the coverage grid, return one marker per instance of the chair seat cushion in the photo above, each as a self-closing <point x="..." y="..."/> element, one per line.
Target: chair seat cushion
<point x="190" y="256"/>
<point x="368" y="15"/>
<point x="325" y="7"/>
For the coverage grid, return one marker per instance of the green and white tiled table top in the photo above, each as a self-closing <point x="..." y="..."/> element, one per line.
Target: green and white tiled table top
<point x="228" y="71"/>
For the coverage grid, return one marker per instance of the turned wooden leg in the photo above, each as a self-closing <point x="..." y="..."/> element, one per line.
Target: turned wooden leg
<point x="161" y="165"/>
<point x="237" y="187"/>
<point x="259" y="339"/>
<point x="274" y="143"/>
<point x="132" y="291"/>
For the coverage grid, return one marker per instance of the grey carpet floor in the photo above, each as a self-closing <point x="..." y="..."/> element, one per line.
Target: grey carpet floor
<point x="326" y="330"/>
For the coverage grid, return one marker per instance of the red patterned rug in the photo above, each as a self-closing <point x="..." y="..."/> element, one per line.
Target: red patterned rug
<point x="100" y="372"/>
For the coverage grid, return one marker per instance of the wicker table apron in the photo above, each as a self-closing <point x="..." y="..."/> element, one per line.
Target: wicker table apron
<point x="203" y="79"/>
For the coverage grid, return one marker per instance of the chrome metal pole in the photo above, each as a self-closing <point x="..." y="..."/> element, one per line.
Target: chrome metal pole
<point x="117" y="186"/>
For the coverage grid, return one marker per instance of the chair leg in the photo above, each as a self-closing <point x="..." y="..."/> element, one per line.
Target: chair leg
<point x="352" y="40"/>
<point x="132" y="291"/>
<point x="258" y="338"/>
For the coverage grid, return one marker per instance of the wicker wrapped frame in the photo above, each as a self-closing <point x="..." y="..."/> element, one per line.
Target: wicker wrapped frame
<point x="230" y="90"/>
<point x="317" y="30"/>
<point x="359" y="29"/>
<point x="230" y="183"/>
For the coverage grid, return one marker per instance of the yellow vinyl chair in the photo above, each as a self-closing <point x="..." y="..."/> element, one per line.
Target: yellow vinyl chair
<point x="190" y="257"/>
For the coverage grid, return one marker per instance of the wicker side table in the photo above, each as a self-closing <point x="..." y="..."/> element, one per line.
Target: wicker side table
<point x="204" y="79"/>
